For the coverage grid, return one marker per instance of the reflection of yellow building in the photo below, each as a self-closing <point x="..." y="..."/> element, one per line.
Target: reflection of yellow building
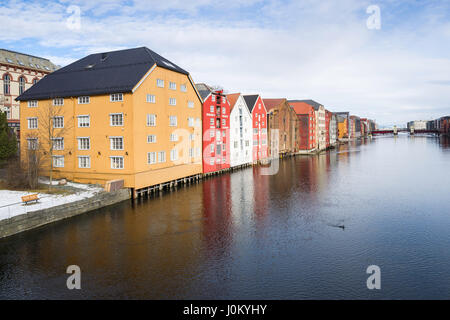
<point x="128" y="114"/>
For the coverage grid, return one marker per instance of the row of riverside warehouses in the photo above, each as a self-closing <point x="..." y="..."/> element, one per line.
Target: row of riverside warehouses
<point x="134" y="116"/>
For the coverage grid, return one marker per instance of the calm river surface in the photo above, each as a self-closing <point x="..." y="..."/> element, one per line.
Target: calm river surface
<point x="249" y="236"/>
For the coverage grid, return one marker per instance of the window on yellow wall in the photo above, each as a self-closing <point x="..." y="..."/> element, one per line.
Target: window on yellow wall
<point x="58" y="161"/>
<point x="151" y="138"/>
<point x="151" y="157"/>
<point x="151" y="120"/>
<point x="32" y="103"/>
<point x="83" y="100"/>
<point x="160" y="83"/>
<point x="183" y="88"/>
<point x="116" y="143"/>
<point x="115" y="97"/>
<point x="174" y="155"/>
<point x="161" y="156"/>
<point x="173" y="137"/>
<point x="117" y="162"/>
<point x="84" y="143"/>
<point x="84" y="161"/>
<point x="83" y="121"/>
<point x="116" y="119"/>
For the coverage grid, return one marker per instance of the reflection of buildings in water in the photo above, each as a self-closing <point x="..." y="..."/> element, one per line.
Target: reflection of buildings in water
<point x="217" y="217"/>
<point x="444" y="142"/>
<point x="307" y="173"/>
<point x="260" y="194"/>
<point x="242" y="195"/>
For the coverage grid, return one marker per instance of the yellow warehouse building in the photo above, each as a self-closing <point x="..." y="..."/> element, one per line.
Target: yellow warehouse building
<point x="130" y="115"/>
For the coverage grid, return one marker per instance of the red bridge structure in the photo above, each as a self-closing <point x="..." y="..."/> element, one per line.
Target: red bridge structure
<point x="393" y="131"/>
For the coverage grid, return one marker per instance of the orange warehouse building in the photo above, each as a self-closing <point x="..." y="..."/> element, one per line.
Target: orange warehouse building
<point x="130" y="115"/>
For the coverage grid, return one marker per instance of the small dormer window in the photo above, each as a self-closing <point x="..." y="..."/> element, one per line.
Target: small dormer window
<point x="116" y="97"/>
<point x="58" y="102"/>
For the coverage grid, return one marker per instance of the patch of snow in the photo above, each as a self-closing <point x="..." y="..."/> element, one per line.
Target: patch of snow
<point x="11" y="202"/>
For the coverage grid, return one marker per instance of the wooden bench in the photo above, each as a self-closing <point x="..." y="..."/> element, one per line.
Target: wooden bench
<point x="29" y="198"/>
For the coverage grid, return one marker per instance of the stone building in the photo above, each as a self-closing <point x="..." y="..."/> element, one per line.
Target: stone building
<point x="18" y="72"/>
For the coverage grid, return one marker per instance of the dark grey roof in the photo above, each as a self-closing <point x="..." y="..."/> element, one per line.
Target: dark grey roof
<point x="312" y="103"/>
<point x="342" y="114"/>
<point x="203" y="89"/>
<point x="99" y="73"/>
<point x="250" y="101"/>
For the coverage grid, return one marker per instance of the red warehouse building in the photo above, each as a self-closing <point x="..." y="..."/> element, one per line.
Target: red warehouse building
<point x="216" y="129"/>
<point x="258" y="111"/>
<point x="307" y="124"/>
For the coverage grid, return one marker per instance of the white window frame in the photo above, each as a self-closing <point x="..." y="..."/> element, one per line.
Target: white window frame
<point x="173" y="123"/>
<point x="111" y="119"/>
<point x="172" y="101"/>
<point x="58" y="143"/>
<point x="56" y="122"/>
<point x="174" y="155"/>
<point x="151" y="120"/>
<point x="172" y="85"/>
<point x="173" y="137"/>
<point x="88" y="162"/>
<point x="113" y="145"/>
<point x="151" y="157"/>
<point x="151" y="98"/>
<point x="84" y="116"/>
<point x="191" y="122"/>
<point x="183" y="88"/>
<point x="84" y="100"/>
<point x="116" y="97"/>
<point x="58" y="101"/>
<point x="32" y="104"/>
<point x="160" y="83"/>
<point x="191" y="104"/>
<point x="151" y="138"/>
<point x="55" y="161"/>
<point x="80" y="143"/>
<point x="161" y="156"/>
<point x="121" y="163"/>
<point x="32" y="143"/>
<point x="29" y="123"/>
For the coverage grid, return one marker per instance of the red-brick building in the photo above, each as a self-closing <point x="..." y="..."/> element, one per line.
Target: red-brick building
<point x="307" y="124"/>
<point x="281" y="117"/>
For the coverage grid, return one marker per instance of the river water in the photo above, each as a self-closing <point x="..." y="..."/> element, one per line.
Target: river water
<point x="308" y="232"/>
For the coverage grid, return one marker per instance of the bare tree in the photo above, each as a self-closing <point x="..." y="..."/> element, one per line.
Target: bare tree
<point x="33" y="160"/>
<point x="52" y="127"/>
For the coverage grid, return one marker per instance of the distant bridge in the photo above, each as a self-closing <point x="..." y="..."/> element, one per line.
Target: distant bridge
<point x="392" y="131"/>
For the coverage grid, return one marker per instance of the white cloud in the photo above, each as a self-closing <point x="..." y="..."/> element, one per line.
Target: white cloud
<point x="308" y="49"/>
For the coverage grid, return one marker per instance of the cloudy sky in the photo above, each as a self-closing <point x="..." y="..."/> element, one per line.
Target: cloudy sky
<point x="327" y="50"/>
